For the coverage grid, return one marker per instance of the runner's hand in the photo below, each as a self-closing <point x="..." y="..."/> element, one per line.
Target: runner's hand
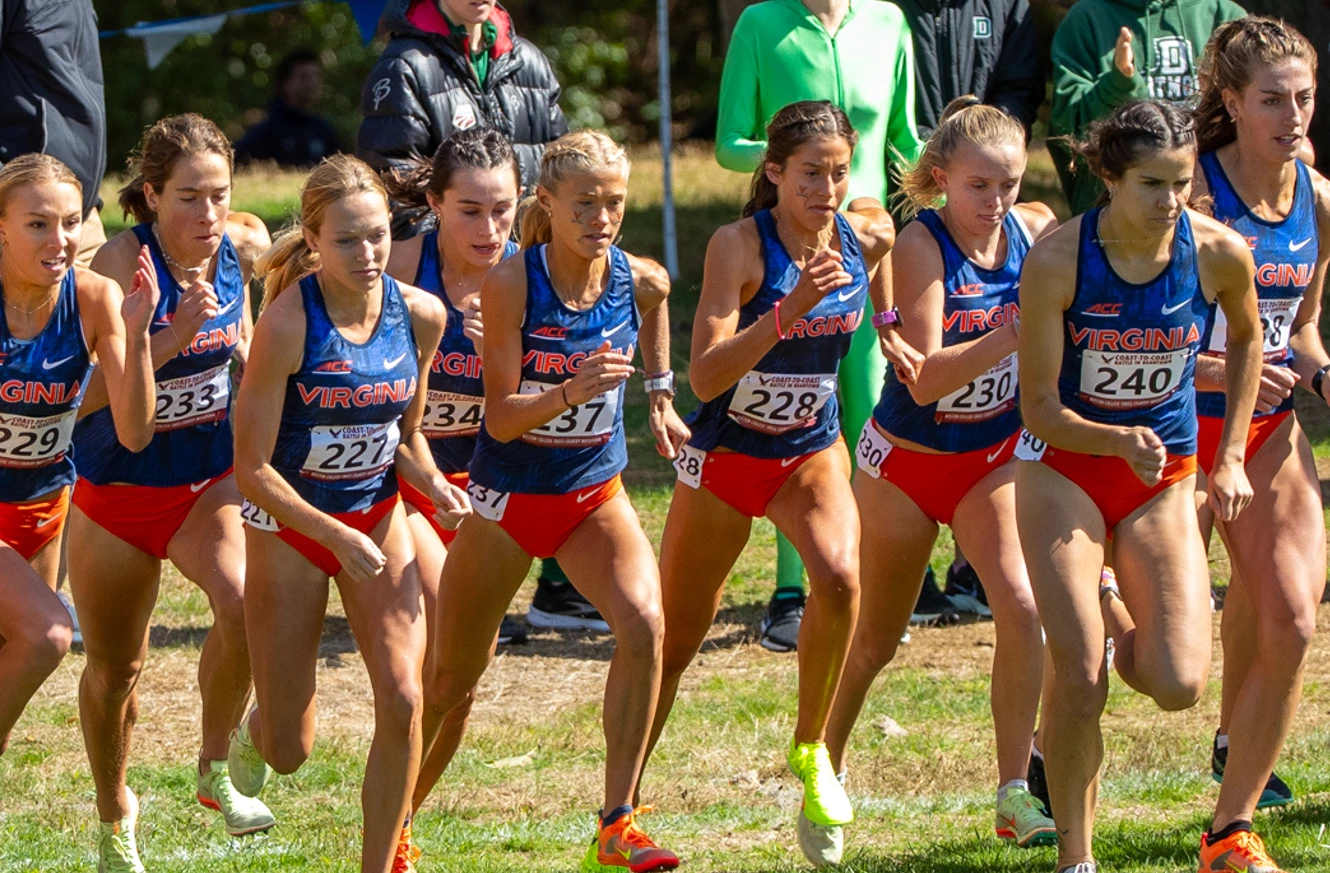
<point x="141" y="297"/>
<point x="359" y="556"/>
<point x="451" y="505"/>
<point x="600" y="372"/>
<point x="1275" y="387"/>
<point x="905" y="358"/>
<point x="822" y="275"/>
<point x="472" y="325"/>
<point x="1144" y="451"/>
<point x="1228" y="491"/>
<point x="197" y="305"/>
<point x="666" y="426"/>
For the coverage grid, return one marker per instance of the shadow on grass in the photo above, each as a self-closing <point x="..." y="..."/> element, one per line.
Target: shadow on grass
<point x="337" y="639"/>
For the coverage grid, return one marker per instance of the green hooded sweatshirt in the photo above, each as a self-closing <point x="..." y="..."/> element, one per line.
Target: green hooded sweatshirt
<point x="780" y="53"/>
<point x="1168" y="39"/>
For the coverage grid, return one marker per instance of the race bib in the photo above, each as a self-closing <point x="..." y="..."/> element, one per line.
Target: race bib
<point x="1030" y="448"/>
<point x="486" y="502"/>
<point x="587" y="424"/>
<point x="688" y="463"/>
<point x="257" y="518"/>
<point x="871" y="450"/>
<point x="35" y="442"/>
<point x="192" y="400"/>
<point x="351" y="452"/>
<point x="776" y="403"/>
<point x="451" y="415"/>
<point x="1131" y="380"/>
<point x="1276" y="326"/>
<point x="989" y="396"/>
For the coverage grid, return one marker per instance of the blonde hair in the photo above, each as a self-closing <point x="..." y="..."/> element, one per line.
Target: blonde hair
<point x="290" y="257"/>
<point x="162" y="147"/>
<point x="965" y="120"/>
<point x="584" y="151"/>
<point x="33" y="169"/>
<point x="1235" y="51"/>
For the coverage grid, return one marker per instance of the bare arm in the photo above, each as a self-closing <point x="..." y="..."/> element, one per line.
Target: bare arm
<point x="251" y="239"/>
<point x="119" y="338"/>
<point x="1309" y="353"/>
<point x="652" y="285"/>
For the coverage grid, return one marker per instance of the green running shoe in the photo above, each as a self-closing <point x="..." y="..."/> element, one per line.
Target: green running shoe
<point x="1021" y="818"/>
<point x="117" y="851"/>
<point x="246" y="767"/>
<point x="243" y="815"/>
<point x="825" y="801"/>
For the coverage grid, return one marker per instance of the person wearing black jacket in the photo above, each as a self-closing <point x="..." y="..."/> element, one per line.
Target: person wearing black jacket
<point x="451" y="65"/>
<point x="293" y="134"/>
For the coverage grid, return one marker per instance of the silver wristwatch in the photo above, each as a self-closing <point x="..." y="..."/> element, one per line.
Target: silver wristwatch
<point x="661" y="382"/>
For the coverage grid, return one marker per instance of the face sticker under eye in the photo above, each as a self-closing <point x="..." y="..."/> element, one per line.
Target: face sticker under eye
<point x="802" y="192"/>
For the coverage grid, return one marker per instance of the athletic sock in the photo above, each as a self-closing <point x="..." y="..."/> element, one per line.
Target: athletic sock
<point x="550" y="571"/>
<point x="789" y="568"/>
<point x="1034" y="750"/>
<point x="1221" y="741"/>
<point x="1013" y="785"/>
<point x="1215" y="836"/>
<point x="615" y="814"/>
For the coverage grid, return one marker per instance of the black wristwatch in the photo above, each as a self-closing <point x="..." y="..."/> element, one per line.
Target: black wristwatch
<point x="1319" y="379"/>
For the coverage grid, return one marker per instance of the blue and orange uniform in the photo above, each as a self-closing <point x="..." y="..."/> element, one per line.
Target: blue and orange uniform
<point x="751" y="438"/>
<point x="1285" y="253"/>
<point x="1129" y="359"/>
<point x="455" y="403"/>
<point x="974" y="426"/>
<point x="544" y="484"/>
<point x="144" y="497"/>
<point x="41" y="385"/>
<point x="339" y="431"/>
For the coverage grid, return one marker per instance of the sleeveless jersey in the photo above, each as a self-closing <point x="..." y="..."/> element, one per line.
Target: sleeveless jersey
<point x="983" y="412"/>
<point x="1285" y="253"/>
<point x="1129" y="356"/>
<point x="786" y="405"/>
<point x="41" y="385"/>
<point x="192" y="439"/>
<point x="455" y="403"/>
<point x="339" y="430"/>
<point x="585" y="445"/>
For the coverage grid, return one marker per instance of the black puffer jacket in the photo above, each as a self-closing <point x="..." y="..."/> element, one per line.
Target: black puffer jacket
<point x="423" y="89"/>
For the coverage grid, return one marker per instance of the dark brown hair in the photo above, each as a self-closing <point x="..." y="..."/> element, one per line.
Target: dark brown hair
<point x="790" y="129"/>
<point x="162" y="147"/>
<point x="1133" y="132"/>
<point x="480" y="148"/>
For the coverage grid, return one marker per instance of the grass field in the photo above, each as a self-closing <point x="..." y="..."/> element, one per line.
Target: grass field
<point x="521" y="794"/>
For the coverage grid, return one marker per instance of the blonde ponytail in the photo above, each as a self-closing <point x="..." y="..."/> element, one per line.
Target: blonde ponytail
<point x="288" y="261"/>
<point x="965" y="120"/>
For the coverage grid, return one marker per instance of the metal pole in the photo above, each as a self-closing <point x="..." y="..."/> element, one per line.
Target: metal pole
<point x="666" y="135"/>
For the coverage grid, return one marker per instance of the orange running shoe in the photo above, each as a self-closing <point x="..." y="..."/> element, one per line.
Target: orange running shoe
<point x="624" y="845"/>
<point x="407" y="853"/>
<point x="1243" y="852"/>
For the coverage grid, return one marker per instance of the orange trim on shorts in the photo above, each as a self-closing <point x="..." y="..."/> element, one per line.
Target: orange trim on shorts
<point x="29" y="527"/>
<point x="417" y="499"/>
<point x="1209" y="428"/>
<point x="1109" y="481"/>
<point x="364" y="520"/>
<point x="936" y="483"/>
<point x="144" y="516"/>
<point x="748" y="484"/>
<point x="542" y="523"/>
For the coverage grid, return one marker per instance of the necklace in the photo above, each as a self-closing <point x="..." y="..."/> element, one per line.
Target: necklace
<point x="1099" y="232"/>
<point x="823" y="237"/>
<point x="48" y="301"/>
<point x="172" y="261"/>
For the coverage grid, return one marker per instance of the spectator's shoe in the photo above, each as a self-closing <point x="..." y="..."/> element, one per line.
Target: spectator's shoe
<point x="825" y="801"/>
<point x="511" y="633"/>
<point x="1021" y="818"/>
<point x="246" y="767"/>
<point x="404" y="860"/>
<point x="243" y="815"/>
<point x="1242" y="852"/>
<point x="966" y="594"/>
<point x="117" y="851"/>
<point x="625" y="846"/>
<point x="1038" y="781"/>
<point x="1276" y="791"/>
<point x="1083" y="867"/>
<point x="933" y="609"/>
<point x="780" y="628"/>
<point x="559" y="605"/>
<point x="68" y="602"/>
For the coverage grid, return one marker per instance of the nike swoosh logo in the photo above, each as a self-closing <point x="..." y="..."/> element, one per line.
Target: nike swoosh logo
<point x="1221" y="864"/>
<point x="612" y="331"/>
<point x="394" y="362"/>
<point x="45" y="521"/>
<point x="846" y="295"/>
<point x="785" y="462"/>
<point x="996" y="452"/>
<point x="48" y="364"/>
<point x="1293" y="247"/>
<point x="228" y="307"/>
<point x="582" y="498"/>
<point x="199" y="486"/>
<point x="1169" y="310"/>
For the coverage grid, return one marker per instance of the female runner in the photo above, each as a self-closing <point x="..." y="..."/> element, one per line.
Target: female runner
<point x="175" y="500"/>
<point x="1258" y="85"/>
<point x="471" y="187"/>
<point x="782" y="293"/>
<point x="329" y="408"/>
<point x="1113" y="306"/>
<point x="56" y="322"/>
<point x="938" y="451"/>
<point x="561" y="325"/>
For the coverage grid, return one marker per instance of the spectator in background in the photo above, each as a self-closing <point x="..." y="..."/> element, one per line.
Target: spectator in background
<point x="1110" y="52"/>
<point x="293" y="134"/>
<point x="52" y="98"/>
<point x="859" y="57"/>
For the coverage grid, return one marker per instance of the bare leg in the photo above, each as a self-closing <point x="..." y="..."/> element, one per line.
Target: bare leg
<point x="35" y="633"/>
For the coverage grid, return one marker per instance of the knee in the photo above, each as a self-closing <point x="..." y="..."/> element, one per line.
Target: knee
<point x="834" y="581"/>
<point x="228" y="614"/>
<point x="113" y="680"/>
<point x="639" y="630"/>
<point x="48" y="643"/>
<point x="1182" y="690"/>
<point x="447" y="690"/>
<point x="1287" y="636"/>
<point x="1080" y="690"/>
<point x="872" y="652"/>
<point x="399" y="705"/>
<point x="285" y="756"/>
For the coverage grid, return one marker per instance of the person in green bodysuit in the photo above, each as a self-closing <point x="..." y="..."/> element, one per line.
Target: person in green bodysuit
<point x="859" y="56"/>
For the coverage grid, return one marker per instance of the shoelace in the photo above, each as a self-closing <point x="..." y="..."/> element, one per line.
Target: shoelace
<point x="121" y="842"/>
<point x="1254" y="848"/>
<point x="633" y="835"/>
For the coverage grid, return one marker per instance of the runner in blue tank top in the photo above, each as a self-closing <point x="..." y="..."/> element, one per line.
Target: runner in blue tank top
<point x="329" y="416"/>
<point x="1112" y="309"/>
<point x="55" y="321"/>
<point x="471" y="187"/>
<point x="562" y="321"/>
<point x="176" y="499"/>
<point x="783" y="291"/>
<point x="1255" y="108"/>
<point x="939" y="451"/>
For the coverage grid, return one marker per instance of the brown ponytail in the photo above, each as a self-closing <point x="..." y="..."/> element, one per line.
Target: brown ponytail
<point x="790" y="128"/>
<point x="162" y="147"/>
<point x="1132" y="133"/>
<point x="479" y="148"/>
